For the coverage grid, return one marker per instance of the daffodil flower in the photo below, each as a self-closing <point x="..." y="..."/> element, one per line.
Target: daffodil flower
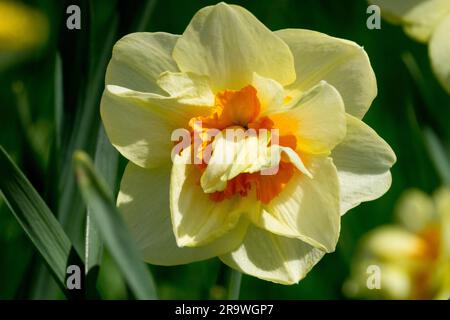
<point x="426" y="21"/>
<point x="228" y="73"/>
<point x="21" y="29"/>
<point x="413" y="256"/>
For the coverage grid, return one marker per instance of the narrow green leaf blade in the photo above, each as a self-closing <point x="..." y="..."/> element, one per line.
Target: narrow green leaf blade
<point x="106" y="163"/>
<point x="58" y="104"/>
<point x="112" y="228"/>
<point x="71" y="213"/>
<point x="35" y="217"/>
<point x="147" y="11"/>
<point x="438" y="155"/>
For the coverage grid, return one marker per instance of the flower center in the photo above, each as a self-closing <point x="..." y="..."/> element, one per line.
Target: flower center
<point x="422" y="277"/>
<point x="237" y="110"/>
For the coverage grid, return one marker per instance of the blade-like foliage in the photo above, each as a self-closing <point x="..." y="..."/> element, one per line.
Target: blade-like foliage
<point x="106" y="162"/>
<point x="112" y="228"/>
<point x="438" y="155"/>
<point x="36" y="219"/>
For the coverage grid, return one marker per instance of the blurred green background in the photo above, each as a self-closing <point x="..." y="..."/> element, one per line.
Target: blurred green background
<point x="49" y="106"/>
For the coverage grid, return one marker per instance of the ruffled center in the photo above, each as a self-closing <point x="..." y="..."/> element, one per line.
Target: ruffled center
<point x="234" y="112"/>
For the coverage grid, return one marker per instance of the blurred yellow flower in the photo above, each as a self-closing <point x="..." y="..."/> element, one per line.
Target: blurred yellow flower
<point x="22" y="29"/>
<point x="413" y="256"/>
<point x="426" y="21"/>
<point x="270" y="204"/>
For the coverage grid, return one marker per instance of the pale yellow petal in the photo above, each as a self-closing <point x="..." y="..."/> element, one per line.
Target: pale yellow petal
<point x="418" y="17"/>
<point x="139" y="58"/>
<point x="439" y="50"/>
<point x="415" y="210"/>
<point x="293" y="158"/>
<point x="341" y="63"/>
<point x="273" y="258"/>
<point x="235" y="151"/>
<point x="140" y="125"/>
<point x="227" y="43"/>
<point x="363" y="160"/>
<point x="187" y="88"/>
<point x="196" y="219"/>
<point x="317" y="120"/>
<point x="395" y="244"/>
<point x="270" y="94"/>
<point x="307" y="208"/>
<point x="393" y="280"/>
<point x="144" y="202"/>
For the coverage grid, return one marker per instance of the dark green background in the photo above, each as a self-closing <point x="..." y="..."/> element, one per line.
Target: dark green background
<point x="28" y="132"/>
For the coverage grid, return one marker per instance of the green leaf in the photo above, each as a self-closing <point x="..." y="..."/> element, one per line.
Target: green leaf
<point x="106" y="163"/>
<point x="106" y="157"/>
<point x="36" y="219"/>
<point x="71" y="213"/>
<point x="142" y="22"/>
<point x="438" y="155"/>
<point x="112" y="228"/>
<point x="418" y="78"/>
<point x="43" y="285"/>
<point x="58" y="99"/>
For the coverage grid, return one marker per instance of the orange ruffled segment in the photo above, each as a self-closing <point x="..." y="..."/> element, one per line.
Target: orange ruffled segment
<point x="242" y="108"/>
<point x="232" y="108"/>
<point x="267" y="186"/>
<point x="428" y="257"/>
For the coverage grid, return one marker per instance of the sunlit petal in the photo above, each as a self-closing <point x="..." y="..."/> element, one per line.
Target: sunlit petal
<point x="342" y="63"/>
<point x="273" y="258"/>
<point x="144" y="202"/>
<point x="228" y="44"/>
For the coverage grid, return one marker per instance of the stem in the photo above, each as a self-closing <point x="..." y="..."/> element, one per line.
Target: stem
<point x="234" y="285"/>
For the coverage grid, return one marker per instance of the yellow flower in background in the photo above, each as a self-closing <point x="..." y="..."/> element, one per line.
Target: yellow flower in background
<point x="413" y="256"/>
<point x="21" y="28"/>
<point x="426" y="21"/>
<point x="228" y="73"/>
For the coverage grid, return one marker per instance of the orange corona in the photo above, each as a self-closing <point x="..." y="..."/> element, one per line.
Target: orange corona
<point x="241" y="108"/>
